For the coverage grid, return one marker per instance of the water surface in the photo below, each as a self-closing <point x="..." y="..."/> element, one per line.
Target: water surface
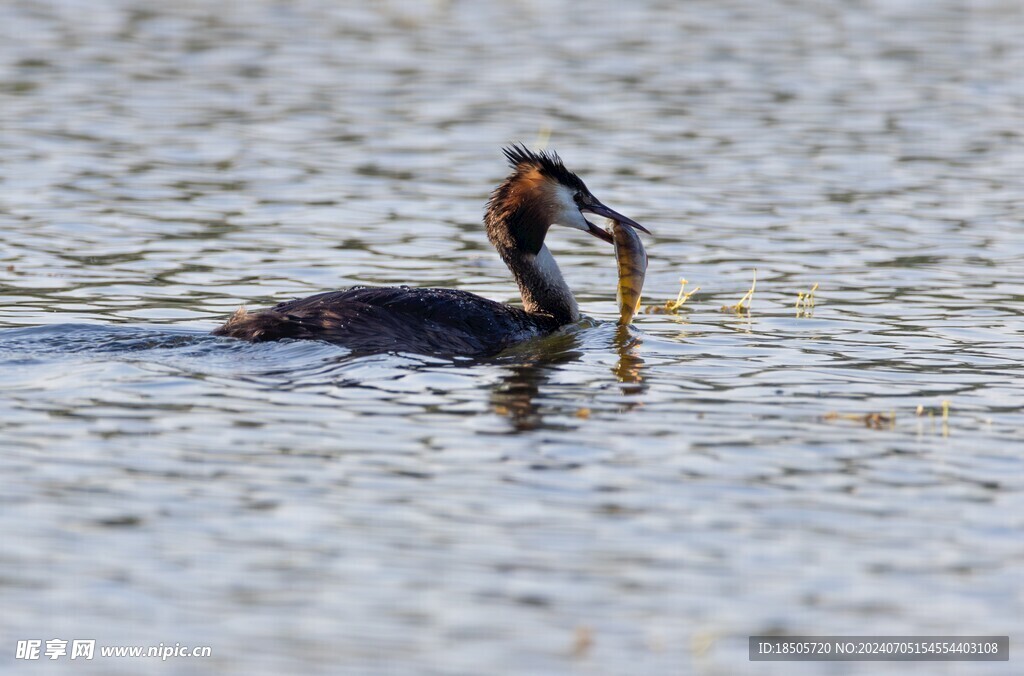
<point x="596" y="502"/>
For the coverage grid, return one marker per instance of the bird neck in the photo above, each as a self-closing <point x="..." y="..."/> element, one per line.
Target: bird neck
<point x="541" y="284"/>
<point x="517" y="221"/>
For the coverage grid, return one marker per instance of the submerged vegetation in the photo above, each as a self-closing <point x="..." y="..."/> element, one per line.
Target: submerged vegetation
<point x="878" y="420"/>
<point x="673" y="306"/>
<point x="805" y="302"/>
<point x="748" y="298"/>
<point x="873" y="420"/>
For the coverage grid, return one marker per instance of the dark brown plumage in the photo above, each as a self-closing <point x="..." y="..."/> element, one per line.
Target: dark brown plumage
<point x="394" y="319"/>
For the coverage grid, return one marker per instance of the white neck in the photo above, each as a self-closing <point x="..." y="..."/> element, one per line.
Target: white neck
<point x="543" y="288"/>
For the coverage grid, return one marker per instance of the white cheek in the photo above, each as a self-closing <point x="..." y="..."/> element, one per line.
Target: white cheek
<point x="568" y="214"/>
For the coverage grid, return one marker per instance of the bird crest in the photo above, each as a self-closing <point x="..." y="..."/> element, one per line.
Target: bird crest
<point x="548" y="164"/>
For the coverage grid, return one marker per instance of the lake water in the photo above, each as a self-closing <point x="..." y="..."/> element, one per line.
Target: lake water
<point x="594" y="503"/>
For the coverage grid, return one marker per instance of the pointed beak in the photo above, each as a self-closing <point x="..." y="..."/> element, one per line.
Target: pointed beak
<point x="601" y="210"/>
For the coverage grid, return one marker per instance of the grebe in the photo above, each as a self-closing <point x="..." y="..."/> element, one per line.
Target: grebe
<point x="539" y="193"/>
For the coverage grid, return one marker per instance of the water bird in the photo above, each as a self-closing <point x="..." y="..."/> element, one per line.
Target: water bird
<point x="539" y="193"/>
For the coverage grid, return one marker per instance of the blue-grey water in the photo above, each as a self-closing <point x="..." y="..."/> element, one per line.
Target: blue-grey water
<point x="595" y="503"/>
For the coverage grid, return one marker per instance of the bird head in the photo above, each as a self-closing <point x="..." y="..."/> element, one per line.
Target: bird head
<point x="542" y="192"/>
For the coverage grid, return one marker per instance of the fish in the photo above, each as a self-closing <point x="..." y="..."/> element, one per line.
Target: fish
<point x="632" y="262"/>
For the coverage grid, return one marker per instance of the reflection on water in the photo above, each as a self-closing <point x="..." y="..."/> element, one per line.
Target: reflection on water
<point x="629" y="368"/>
<point x="517" y="392"/>
<point x="527" y="369"/>
<point x="664" y="491"/>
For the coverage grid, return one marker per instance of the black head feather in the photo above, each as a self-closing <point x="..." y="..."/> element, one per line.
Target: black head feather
<point x="517" y="219"/>
<point x="549" y="164"/>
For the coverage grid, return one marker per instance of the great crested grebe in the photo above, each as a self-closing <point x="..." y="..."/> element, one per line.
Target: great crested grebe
<point x="539" y="193"/>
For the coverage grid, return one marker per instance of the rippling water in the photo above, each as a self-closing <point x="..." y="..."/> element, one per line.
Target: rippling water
<point x="597" y="502"/>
